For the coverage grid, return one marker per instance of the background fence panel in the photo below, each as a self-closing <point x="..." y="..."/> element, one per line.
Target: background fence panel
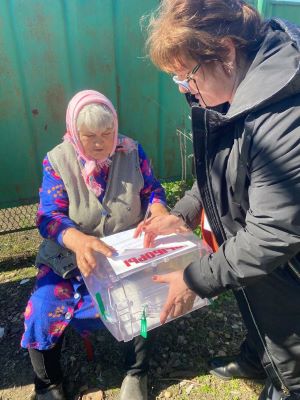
<point x="286" y="9"/>
<point x="49" y="50"/>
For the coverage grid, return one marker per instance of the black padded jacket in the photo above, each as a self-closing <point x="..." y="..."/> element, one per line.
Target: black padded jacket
<point x="247" y="164"/>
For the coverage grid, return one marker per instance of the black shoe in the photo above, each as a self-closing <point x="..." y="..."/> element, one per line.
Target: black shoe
<point x="234" y="367"/>
<point x="53" y="392"/>
<point x="134" y="388"/>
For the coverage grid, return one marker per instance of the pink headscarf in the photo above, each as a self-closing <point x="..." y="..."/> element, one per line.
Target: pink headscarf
<point x="88" y="165"/>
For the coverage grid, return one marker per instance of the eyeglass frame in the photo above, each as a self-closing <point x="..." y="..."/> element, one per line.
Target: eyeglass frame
<point x="189" y="77"/>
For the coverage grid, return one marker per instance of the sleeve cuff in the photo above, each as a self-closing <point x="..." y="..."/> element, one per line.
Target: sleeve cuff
<point x="202" y="283"/>
<point x="59" y="238"/>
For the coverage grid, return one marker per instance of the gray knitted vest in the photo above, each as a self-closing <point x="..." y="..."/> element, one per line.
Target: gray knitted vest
<point x="120" y="209"/>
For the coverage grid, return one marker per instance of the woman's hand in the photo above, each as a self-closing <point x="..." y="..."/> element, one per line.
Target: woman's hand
<point x="84" y="247"/>
<point x="180" y="298"/>
<point x="160" y="225"/>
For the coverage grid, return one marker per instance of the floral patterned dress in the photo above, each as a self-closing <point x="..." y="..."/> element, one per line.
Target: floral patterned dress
<point x="56" y="302"/>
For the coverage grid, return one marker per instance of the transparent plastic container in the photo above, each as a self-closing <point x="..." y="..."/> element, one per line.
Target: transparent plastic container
<point x="131" y="303"/>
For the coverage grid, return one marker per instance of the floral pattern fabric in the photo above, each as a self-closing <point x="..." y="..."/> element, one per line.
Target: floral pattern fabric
<point x="55" y="304"/>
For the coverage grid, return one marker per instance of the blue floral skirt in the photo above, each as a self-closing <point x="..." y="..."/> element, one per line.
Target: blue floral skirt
<point x="54" y="304"/>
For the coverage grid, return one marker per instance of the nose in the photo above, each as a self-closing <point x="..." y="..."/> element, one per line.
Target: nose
<point x="99" y="141"/>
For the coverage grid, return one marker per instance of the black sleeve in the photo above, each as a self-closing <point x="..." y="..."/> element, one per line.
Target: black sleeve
<point x="189" y="207"/>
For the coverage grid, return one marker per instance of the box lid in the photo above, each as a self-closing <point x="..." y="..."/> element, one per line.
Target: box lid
<point x="131" y="256"/>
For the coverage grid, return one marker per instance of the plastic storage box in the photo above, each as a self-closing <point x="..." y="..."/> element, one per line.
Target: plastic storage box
<point x="129" y="300"/>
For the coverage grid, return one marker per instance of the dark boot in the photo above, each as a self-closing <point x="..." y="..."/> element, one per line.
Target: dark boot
<point x="244" y="365"/>
<point x="235" y="367"/>
<point x="53" y="392"/>
<point x="134" y="388"/>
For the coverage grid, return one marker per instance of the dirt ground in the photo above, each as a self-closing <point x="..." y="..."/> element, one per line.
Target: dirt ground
<point x="181" y="348"/>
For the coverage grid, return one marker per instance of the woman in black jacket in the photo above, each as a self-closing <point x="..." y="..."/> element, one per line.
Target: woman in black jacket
<point x="248" y="175"/>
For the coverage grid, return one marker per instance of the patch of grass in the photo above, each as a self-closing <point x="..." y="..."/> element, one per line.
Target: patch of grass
<point x="16" y="275"/>
<point x="20" y="244"/>
<point x="175" y="190"/>
<point x="221" y="300"/>
<point x="207" y="387"/>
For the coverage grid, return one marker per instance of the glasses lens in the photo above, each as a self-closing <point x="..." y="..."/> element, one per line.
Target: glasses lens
<point x="184" y="84"/>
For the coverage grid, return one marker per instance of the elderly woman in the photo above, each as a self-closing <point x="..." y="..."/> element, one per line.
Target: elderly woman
<point x="95" y="183"/>
<point x="241" y="77"/>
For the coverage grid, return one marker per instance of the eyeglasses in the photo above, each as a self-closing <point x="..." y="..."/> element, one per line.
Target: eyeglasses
<point x="185" y="82"/>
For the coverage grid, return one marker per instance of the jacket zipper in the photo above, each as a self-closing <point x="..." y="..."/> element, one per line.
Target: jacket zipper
<point x="217" y="228"/>
<point x="297" y="273"/>
<point x="213" y="217"/>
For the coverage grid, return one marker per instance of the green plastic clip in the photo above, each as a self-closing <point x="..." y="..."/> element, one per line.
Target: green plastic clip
<point x="144" y="333"/>
<point x="101" y="305"/>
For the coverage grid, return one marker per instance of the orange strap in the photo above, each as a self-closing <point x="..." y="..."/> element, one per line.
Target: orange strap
<point x="207" y="236"/>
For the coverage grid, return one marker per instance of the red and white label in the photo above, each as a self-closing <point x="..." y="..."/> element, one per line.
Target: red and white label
<point x="150" y="255"/>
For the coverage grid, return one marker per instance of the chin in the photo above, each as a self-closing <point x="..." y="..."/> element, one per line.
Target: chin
<point x="100" y="156"/>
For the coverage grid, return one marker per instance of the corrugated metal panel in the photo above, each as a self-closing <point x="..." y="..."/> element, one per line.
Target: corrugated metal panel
<point x="287" y="9"/>
<point x="51" y="49"/>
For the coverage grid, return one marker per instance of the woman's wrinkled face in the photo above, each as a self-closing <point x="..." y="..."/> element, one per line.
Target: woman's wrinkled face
<point x="97" y="144"/>
<point x="211" y="81"/>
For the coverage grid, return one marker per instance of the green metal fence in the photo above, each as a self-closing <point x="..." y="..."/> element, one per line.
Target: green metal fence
<point x="286" y="9"/>
<point x="51" y="49"/>
<point x="252" y="2"/>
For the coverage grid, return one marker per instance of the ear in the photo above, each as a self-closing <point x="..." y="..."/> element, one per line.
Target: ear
<point x="231" y="54"/>
<point x="230" y="62"/>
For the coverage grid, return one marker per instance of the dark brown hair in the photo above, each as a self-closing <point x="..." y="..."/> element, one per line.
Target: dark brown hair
<point x="194" y="29"/>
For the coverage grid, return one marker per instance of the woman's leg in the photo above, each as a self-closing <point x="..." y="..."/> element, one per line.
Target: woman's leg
<point x="47" y="314"/>
<point x="46" y="366"/>
<point x="137" y="353"/>
<point x="274" y="304"/>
